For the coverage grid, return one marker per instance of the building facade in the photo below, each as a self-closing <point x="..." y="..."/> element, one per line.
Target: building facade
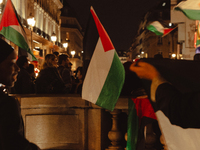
<point x="71" y="33"/>
<point x="186" y="32"/>
<point x="47" y="16"/>
<point x="178" y="44"/>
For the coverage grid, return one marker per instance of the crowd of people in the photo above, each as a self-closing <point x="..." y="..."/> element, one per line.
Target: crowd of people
<point x="55" y="76"/>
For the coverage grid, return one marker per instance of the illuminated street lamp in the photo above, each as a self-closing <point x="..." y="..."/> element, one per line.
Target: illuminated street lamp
<point x="173" y="55"/>
<point x="31" y="23"/>
<point x="53" y="38"/>
<point x="73" y="53"/>
<point x="65" y="45"/>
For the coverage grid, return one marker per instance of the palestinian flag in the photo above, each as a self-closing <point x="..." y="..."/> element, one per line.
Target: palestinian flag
<point x="140" y="113"/>
<point x="191" y="8"/>
<point x="177" y="137"/>
<point x="12" y="29"/>
<point x="159" y="29"/>
<point x="105" y="75"/>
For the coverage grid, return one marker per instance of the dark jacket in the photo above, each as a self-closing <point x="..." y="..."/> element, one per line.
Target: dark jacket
<point x="65" y="74"/>
<point x="181" y="109"/>
<point x="11" y="126"/>
<point x="24" y="84"/>
<point x="49" y="81"/>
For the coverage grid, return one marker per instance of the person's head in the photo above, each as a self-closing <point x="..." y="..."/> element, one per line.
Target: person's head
<point x="50" y="61"/>
<point x="31" y="70"/>
<point x="197" y="57"/>
<point x="70" y="65"/>
<point x="80" y="73"/>
<point x="127" y="66"/>
<point x="22" y="62"/>
<point x="8" y="67"/>
<point x="63" y="60"/>
<point x="56" y="53"/>
<point x="158" y="56"/>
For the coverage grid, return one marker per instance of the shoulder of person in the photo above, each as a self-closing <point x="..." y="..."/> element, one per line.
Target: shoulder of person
<point x="9" y="101"/>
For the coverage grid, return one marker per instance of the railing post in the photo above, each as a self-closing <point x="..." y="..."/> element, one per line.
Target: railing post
<point x="115" y="135"/>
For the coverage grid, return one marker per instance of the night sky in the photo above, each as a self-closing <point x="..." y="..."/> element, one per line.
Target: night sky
<point x="120" y="18"/>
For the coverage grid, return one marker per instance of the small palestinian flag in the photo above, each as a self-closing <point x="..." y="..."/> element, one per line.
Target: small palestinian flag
<point x="159" y="29"/>
<point x="12" y="29"/>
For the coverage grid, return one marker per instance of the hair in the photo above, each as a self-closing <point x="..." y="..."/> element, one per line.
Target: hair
<point x="30" y="68"/>
<point x="158" y="56"/>
<point x="21" y="61"/>
<point x="48" y="61"/>
<point x="5" y="50"/>
<point x="197" y="57"/>
<point x="61" y="58"/>
<point x="56" y="53"/>
<point x="80" y="69"/>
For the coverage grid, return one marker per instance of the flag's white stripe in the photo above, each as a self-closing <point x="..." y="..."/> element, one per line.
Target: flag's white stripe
<point x="189" y="4"/>
<point x="97" y="73"/>
<point x="20" y="30"/>
<point x="158" y="26"/>
<point x="176" y="137"/>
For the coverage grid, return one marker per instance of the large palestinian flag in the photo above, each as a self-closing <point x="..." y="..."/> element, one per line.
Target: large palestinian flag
<point x="105" y="75"/>
<point x="191" y="8"/>
<point x="12" y="29"/>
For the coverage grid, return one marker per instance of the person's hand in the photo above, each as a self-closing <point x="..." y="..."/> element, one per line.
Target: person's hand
<point x="144" y="70"/>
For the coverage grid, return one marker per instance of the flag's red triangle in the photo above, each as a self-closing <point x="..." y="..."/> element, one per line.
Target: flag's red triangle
<point x="166" y="31"/>
<point x="144" y="108"/>
<point x="8" y="11"/>
<point x="106" y="42"/>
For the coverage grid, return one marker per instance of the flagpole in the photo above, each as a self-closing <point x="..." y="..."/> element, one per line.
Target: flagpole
<point x="31" y="23"/>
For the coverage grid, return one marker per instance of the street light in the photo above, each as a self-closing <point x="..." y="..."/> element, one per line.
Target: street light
<point x="65" y="45"/>
<point x="53" y="38"/>
<point x="173" y="55"/>
<point x="31" y="23"/>
<point x="73" y="53"/>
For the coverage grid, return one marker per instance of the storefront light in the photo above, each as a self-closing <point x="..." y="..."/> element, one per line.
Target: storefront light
<point x="173" y="55"/>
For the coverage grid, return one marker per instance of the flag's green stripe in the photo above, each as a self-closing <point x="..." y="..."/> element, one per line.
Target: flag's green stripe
<point x="14" y="36"/>
<point x="192" y="14"/>
<point x="197" y="42"/>
<point x="153" y="29"/>
<point x="113" y="85"/>
<point x="132" y="128"/>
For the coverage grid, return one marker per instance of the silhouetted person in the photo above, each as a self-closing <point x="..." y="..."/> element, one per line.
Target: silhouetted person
<point x="132" y="85"/>
<point x="24" y="84"/>
<point x="49" y="80"/>
<point x="158" y="56"/>
<point x="64" y="70"/>
<point x="79" y="84"/>
<point x="197" y="57"/>
<point x="11" y="123"/>
<point x="31" y="71"/>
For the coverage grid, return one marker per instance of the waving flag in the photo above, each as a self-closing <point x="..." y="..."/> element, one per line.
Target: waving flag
<point x="177" y="137"/>
<point x="191" y="8"/>
<point x="12" y="29"/>
<point x="105" y="75"/>
<point x="140" y="113"/>
<point x="159" y="29"/>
